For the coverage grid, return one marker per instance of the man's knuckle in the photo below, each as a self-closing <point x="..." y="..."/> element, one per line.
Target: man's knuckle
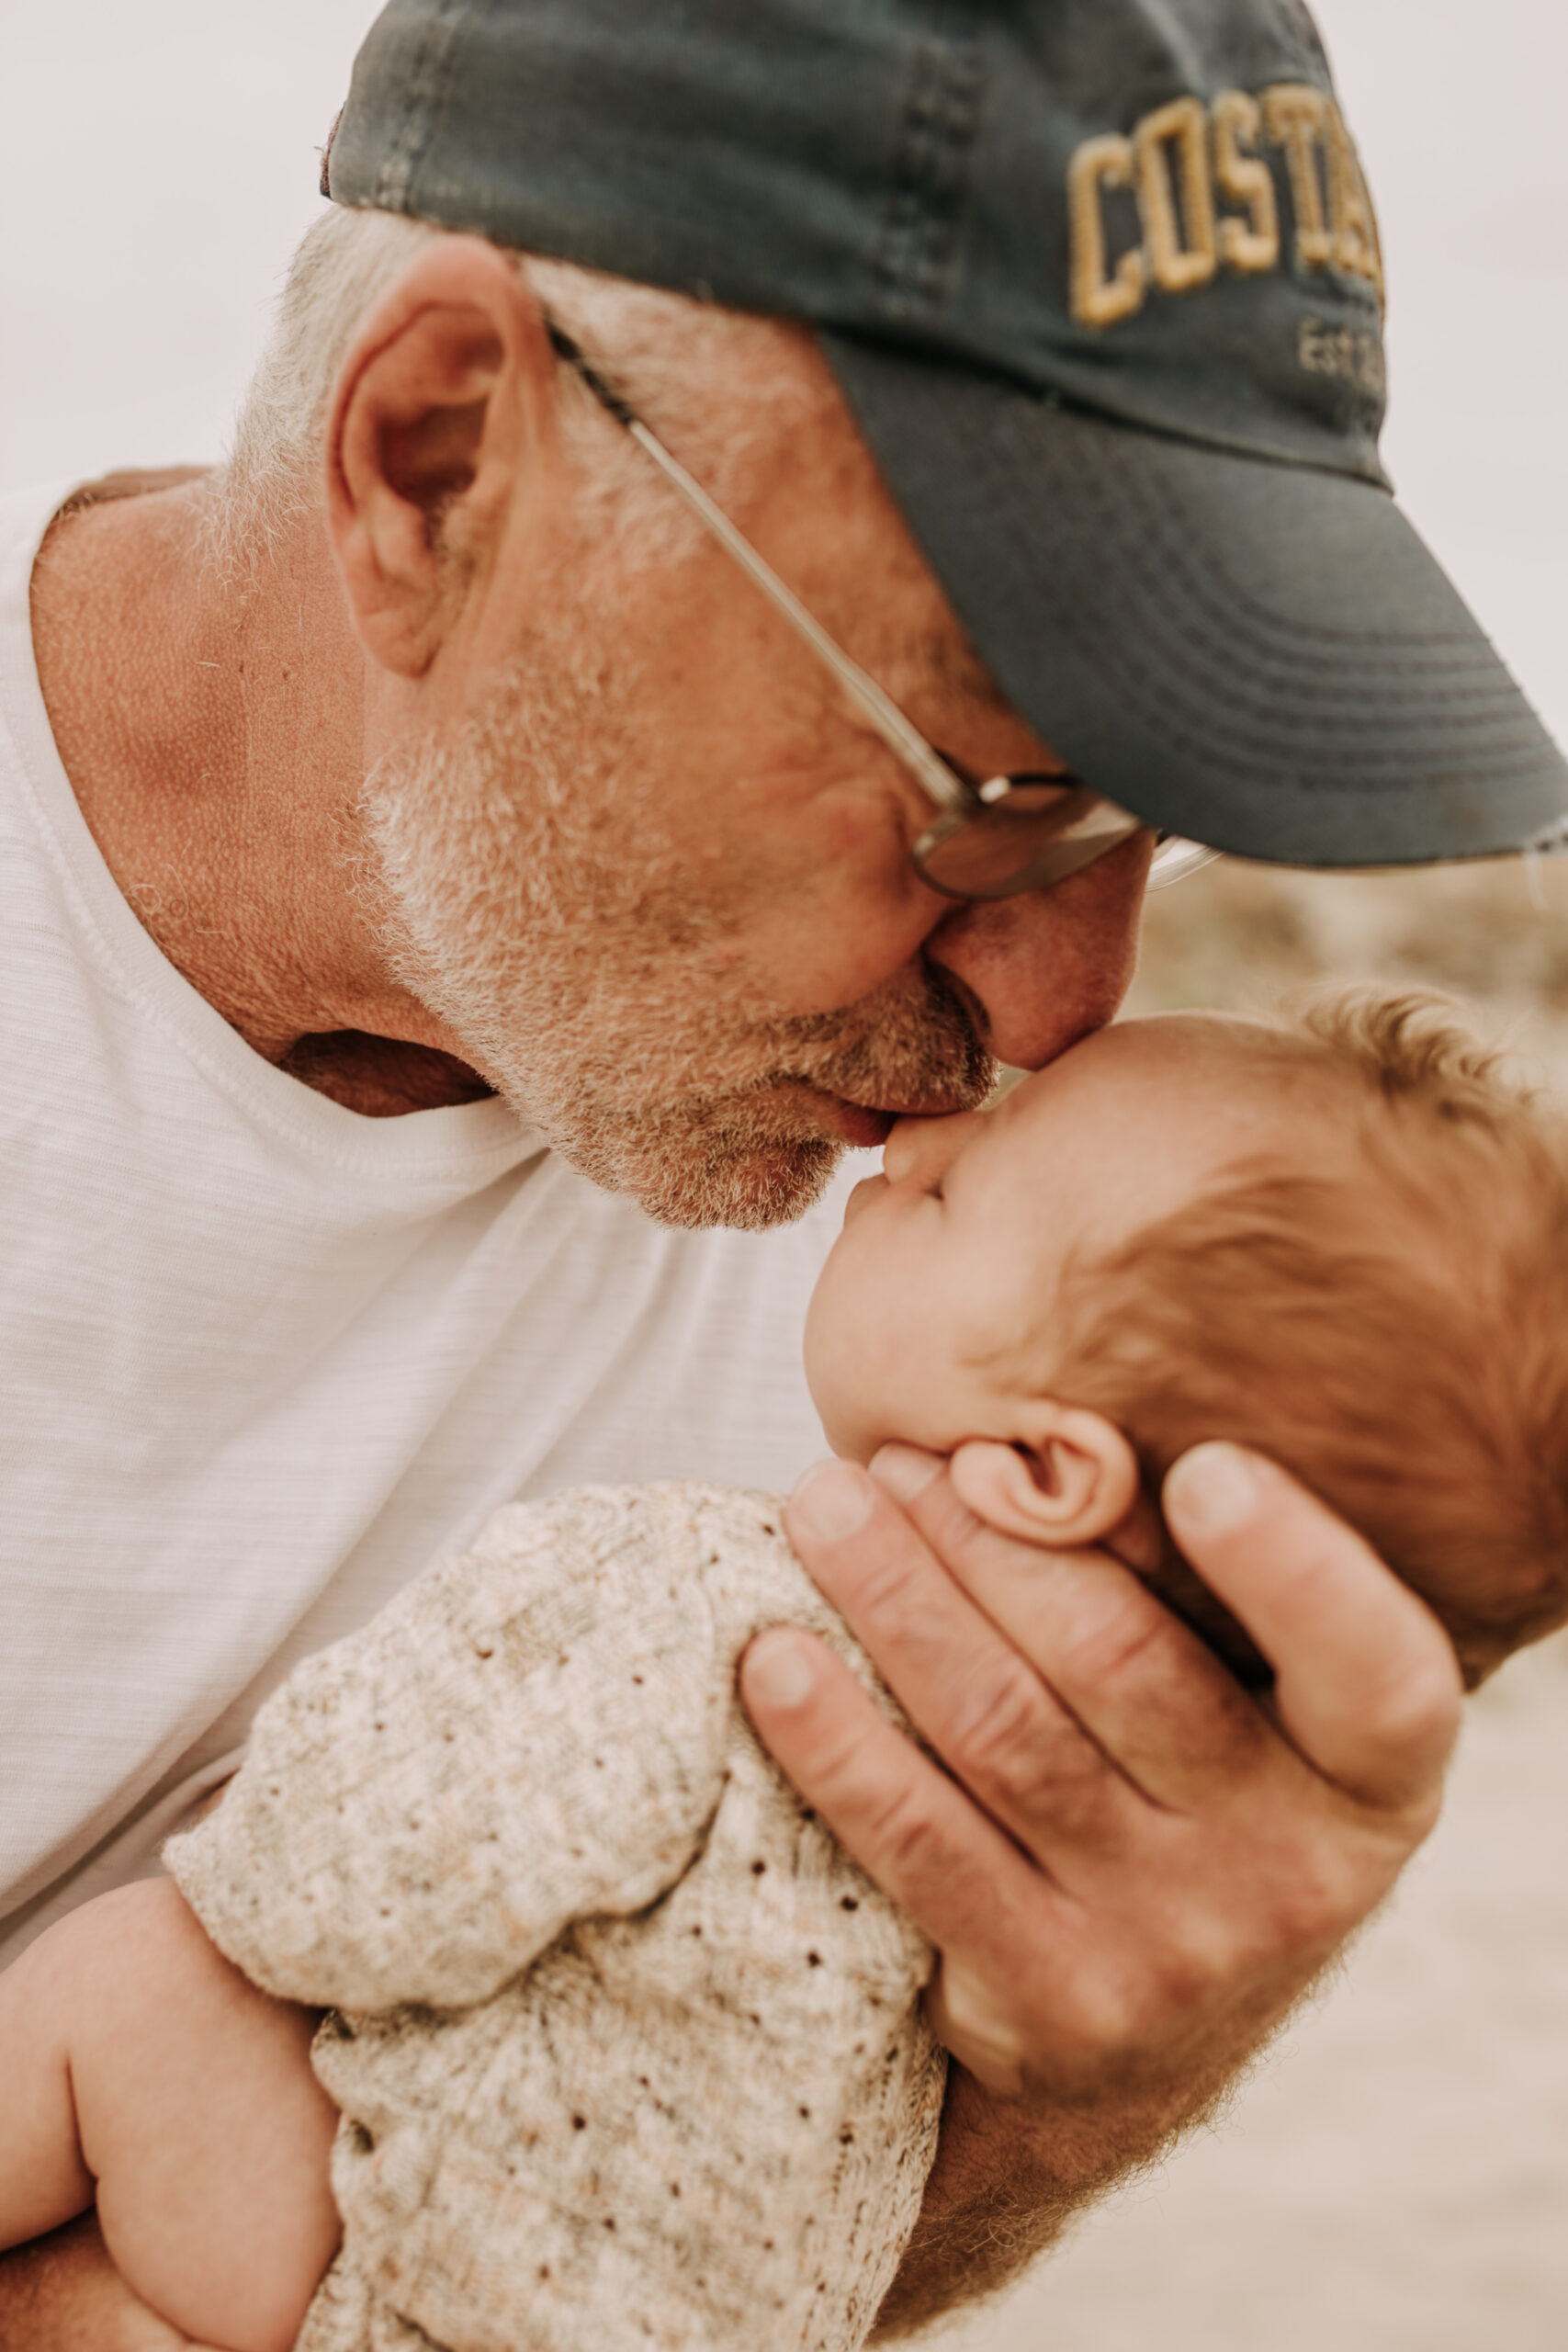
<point x="1000" y="1736"/>
<point x="1417" y="1714"/>
<point x="1316" y="1566"/>
<point x="835" y="1768"/>
<point x="1135" y="1639"/>
<point x="906" y="1836"/>
<point x="1308" y="1903"/>
<point x="1112" y="2014"/>
<point x="885" y="1583"/>
<point x="1194" y="1969"/>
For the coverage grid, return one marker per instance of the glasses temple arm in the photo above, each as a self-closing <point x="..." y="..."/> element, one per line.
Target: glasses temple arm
<point x="936" y="779"/>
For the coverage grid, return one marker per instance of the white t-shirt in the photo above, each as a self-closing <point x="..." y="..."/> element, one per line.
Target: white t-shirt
<point x="263" y="1358"/>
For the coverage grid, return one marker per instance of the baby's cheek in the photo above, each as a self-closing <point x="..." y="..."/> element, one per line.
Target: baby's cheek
<point x="820" y="1345"/>
<point x="861" y="1379"/>
<point x="832" y="1374"/>
<point x="855" y="1409"/>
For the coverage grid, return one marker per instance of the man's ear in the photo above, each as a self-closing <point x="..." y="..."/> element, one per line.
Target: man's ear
<point x="441" y="399"/>
<point x="1069" y="1477"/>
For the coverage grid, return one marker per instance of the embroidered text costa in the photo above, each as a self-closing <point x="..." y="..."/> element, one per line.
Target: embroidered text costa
<point x="1185" y="160"/>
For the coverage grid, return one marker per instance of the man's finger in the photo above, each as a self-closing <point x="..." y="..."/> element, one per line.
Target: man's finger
<point x="1369" y="1688"/>
<point x="1149" y="1692"/>
<point x="925" y="1843"/>
<point x="981" y="1705"/>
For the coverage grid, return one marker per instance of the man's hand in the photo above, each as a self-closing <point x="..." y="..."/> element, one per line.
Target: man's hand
<point x="1135" y="1868"/>
<point x="61" y="2293"/>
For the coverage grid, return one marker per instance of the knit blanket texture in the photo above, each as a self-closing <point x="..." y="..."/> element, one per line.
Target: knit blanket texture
<point x="629" y="2053"/>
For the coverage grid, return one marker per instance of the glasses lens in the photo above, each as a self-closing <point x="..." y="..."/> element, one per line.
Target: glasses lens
<point x="1176" y="859"/>
<point x="1038" y="832"/>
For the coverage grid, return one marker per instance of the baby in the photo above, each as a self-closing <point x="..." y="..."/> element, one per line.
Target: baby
<point x="621" y="2049"/>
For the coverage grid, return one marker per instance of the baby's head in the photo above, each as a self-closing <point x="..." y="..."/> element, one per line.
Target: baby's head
<point x="1343" y="1242"/>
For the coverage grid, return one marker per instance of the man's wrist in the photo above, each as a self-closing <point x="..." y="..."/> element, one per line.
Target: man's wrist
<point x="1009" y="2177"/>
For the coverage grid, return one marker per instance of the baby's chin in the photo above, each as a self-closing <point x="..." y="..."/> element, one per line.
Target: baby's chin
<point x="848" y="1442"/>
<point x="828" y="1385"/>
<point x="848" y="1433"/>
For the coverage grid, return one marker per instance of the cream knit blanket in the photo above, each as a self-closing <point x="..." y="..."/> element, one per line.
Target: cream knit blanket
<point x="630" y="2053"/>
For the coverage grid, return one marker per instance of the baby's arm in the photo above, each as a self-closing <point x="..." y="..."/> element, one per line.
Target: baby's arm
<point x="141" y="2069"/>
<point x="530" y="1734"/>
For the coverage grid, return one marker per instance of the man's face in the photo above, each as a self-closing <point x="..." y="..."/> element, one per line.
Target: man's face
<point x="655" y="874"/>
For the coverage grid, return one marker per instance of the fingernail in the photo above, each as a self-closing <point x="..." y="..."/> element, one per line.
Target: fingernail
<point x="831" y="1501"/>
<point x="903" y="1471"/>
<point x="779" y="1670"/>
<point x="1212" y="1489"/>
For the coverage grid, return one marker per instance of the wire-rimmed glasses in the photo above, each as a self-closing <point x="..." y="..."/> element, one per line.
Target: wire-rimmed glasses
<point x="991" y="839"/>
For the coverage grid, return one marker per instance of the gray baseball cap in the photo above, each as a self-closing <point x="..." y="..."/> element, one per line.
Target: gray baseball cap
<point x="1102" y="281"/>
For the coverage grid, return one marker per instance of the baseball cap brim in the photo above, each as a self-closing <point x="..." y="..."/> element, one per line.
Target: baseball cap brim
<point x="1262" y="657"/>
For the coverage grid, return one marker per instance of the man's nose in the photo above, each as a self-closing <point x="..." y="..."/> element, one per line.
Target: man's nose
<point x="1048" y="967"/>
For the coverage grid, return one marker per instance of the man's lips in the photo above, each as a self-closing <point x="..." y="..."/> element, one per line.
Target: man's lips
<point x="858" y="1123"/>
<point x="867" y="1125"/>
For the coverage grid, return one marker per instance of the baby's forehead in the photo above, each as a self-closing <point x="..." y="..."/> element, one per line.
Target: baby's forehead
<point x="1166" y="1064"/>
<point x="1145" y="1118"/>
<point x="1197" y="1039"/>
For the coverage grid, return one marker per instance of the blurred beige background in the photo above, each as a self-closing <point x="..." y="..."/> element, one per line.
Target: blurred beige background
<point x="1396" y="2179"/>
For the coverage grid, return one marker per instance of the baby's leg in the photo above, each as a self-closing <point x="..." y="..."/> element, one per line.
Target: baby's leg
<point x="138" y="2066"/>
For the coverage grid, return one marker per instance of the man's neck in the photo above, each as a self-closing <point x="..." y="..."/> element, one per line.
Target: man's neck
<point x="210" y="720"/>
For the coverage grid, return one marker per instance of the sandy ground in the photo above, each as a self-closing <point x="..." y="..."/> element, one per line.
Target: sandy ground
<point x="1395" y="2176"/>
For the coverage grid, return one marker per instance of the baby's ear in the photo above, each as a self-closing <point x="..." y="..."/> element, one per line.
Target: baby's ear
<point x="1069" y="1478"/>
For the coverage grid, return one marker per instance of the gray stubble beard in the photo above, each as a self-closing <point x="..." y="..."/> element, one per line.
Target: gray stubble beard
<point x="528" y="894"/>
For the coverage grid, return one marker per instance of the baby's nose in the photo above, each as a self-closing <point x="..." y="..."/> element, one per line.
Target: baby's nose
<point x="901" y="1152"/>
<point x="921" y="1146"/>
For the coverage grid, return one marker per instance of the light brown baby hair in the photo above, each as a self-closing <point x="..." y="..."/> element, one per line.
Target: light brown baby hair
<point x="1391" y="1326"/>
